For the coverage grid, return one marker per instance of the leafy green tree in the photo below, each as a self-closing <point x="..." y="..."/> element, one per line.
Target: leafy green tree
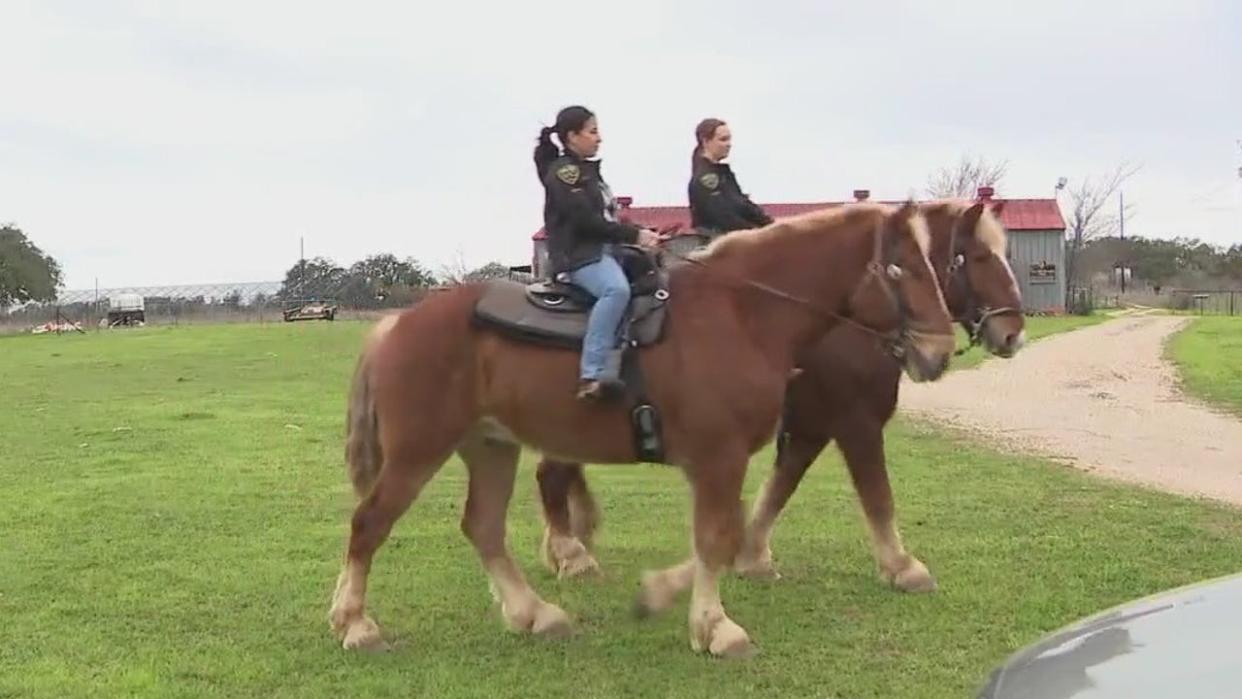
<point x="26" y="272"/>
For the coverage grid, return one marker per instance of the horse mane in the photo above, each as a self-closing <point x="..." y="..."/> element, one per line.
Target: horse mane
<point x="992" y="233"/>
<point x="989" y="230"/>
<point x="813" y="223"/>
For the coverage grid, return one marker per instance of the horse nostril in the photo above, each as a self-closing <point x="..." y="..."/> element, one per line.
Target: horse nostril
<point x="1014" y="341"/>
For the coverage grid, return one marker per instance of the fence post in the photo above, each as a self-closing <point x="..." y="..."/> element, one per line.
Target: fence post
<point x="1231" y="293"/>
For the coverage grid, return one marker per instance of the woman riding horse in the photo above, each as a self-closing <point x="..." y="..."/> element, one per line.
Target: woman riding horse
<point x="717" y="203"/>
<point x="580" y="216"/>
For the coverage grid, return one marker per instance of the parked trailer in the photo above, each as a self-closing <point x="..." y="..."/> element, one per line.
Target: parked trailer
<point x="127" y="310"/>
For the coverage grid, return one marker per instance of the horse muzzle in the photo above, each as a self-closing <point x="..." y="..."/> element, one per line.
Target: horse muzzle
<point x="927" y="357"/>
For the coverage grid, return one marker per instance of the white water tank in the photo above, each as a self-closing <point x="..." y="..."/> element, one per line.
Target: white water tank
<point x="125" y="302"/>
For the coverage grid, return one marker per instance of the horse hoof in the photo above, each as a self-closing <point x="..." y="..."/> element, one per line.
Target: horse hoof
<point x="759" y="569"/>
<point x="552" y="622"/>
<point x="567" y="557"/>
<point x="722" y="639"/>
<point x="579" y="566"/>
<point x="655" y="595"/>
<point x="364" y="634"/>
<point x="737" y="650"/>
<point x="914" y="578"/>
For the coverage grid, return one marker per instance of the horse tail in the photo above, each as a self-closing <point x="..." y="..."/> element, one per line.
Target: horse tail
<point x="364" y="455"/>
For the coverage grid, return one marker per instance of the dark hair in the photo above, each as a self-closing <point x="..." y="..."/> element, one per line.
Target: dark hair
<point x="568" y="120"/>
<point x="704" y="131"/>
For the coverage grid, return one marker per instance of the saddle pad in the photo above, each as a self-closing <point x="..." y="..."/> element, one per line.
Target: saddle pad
<point x="505" y="307"/>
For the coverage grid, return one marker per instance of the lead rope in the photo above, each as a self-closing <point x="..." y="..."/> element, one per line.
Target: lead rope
<point x="773" y="291"/>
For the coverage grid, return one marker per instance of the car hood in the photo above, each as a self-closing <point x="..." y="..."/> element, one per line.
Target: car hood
<point x="1185" y="642"/>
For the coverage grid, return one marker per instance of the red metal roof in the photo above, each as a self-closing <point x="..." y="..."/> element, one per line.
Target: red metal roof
<point x="1032" y="215"/>
<point x="1017" y="214"/>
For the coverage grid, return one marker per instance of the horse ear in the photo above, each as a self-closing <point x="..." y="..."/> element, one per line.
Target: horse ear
<point x="906" y="212"/>
<point x="970" y="218"/>
<point x="996" y="208"/>
<point x="903" y="222"/>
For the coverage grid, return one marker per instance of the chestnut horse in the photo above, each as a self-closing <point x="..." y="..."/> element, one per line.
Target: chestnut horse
<point x="431" y="382"/>
<point x="846" y="391"/>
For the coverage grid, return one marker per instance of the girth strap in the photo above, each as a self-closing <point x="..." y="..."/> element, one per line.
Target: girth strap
<point x="644" y="417"/>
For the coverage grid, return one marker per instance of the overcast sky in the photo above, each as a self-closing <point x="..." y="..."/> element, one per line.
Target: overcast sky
<point x="194" y="142"/>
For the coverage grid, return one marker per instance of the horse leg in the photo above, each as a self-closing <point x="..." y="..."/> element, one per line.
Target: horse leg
<point x="401" y="478"/>
<point x="793" y="458"/>
<point x="718" y="532"/>
<point x="660" y="589"/>
<point x="492" y="466"/>
<point x="719" y="526"/>
<point x="862" y="445"/>
<point x="569" y="515"/>
<point x="584" y="514"/>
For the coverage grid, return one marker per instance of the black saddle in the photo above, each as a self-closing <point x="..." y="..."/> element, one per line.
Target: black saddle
<point x="554" y="312"/>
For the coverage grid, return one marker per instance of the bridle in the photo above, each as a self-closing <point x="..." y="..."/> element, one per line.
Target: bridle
<point x="977" y="315"/>
<point x="880" y="268"/>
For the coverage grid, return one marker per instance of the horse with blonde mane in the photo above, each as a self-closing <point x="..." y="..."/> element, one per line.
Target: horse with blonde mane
<point x="845" y="392"/>
<point x="434" y="380"/>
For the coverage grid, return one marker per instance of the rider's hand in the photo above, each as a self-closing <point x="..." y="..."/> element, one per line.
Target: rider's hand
<point x="648" y="238"/>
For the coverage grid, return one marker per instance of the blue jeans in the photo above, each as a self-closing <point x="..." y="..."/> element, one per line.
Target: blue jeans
<point x="605" y="280"/>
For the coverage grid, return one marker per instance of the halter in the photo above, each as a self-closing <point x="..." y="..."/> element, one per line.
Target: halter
<point x="977" y="316"/>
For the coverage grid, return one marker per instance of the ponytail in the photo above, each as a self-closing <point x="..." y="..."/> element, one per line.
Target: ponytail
<point x="545" y="151"/>
<point x="568" y="120"/>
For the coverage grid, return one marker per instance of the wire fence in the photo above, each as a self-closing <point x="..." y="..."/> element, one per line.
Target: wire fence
<point x="1226" y="302"/>
<point x="244" y="302"/>
<point x="270" y="302"/>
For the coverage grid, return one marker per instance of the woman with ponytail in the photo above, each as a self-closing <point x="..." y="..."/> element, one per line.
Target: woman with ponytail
<point x="717" y="204"/>
<point x="580" y="217"/>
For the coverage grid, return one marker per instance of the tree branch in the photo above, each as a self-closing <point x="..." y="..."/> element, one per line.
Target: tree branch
<point x="963" y="180"/>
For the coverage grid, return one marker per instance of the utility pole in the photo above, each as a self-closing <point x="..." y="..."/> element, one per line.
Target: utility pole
<point x="301" y="265"/>
<point x="1121" y="198"/>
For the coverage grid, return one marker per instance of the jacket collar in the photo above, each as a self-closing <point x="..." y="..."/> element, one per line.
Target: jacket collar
<point x="705" y="164"/>
<point x="591" y="165"/>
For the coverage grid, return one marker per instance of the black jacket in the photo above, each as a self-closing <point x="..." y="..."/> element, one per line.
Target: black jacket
<point x="579" y="214"/>
<point x="717" y="203"/>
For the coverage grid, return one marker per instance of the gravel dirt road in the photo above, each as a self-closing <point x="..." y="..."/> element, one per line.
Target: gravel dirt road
<point x="1103" y="399"/>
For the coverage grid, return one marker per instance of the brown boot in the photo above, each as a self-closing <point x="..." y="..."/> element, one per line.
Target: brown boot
<point x="598" y="390"/>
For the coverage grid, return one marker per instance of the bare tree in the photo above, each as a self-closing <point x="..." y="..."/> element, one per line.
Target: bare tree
<point x="964" y="179"/>
<point x="454" y="273"/>
<point x="1087" y="218"/>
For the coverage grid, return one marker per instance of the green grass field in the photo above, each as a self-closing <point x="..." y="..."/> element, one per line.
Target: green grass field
<point x="174" y="509"/>
<point x="1208" y="354"/>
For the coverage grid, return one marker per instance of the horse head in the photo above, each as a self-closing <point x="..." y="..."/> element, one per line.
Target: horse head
<point x="901" y="296"/>
<point x="979" y="285"/>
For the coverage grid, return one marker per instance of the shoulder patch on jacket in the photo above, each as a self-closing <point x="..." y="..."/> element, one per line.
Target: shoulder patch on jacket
<point x="568" y="173"/>
<point x="710" y="180"/>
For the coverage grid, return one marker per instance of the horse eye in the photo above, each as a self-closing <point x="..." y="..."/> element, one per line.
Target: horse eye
<point x="959" y="260"/>
<point x="894" y="272"/>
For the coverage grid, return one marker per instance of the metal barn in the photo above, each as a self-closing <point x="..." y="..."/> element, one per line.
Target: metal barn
<point x="1038" y="261"/>
<point x="1036" y="250"/>
<point x="1036" y="241"/>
